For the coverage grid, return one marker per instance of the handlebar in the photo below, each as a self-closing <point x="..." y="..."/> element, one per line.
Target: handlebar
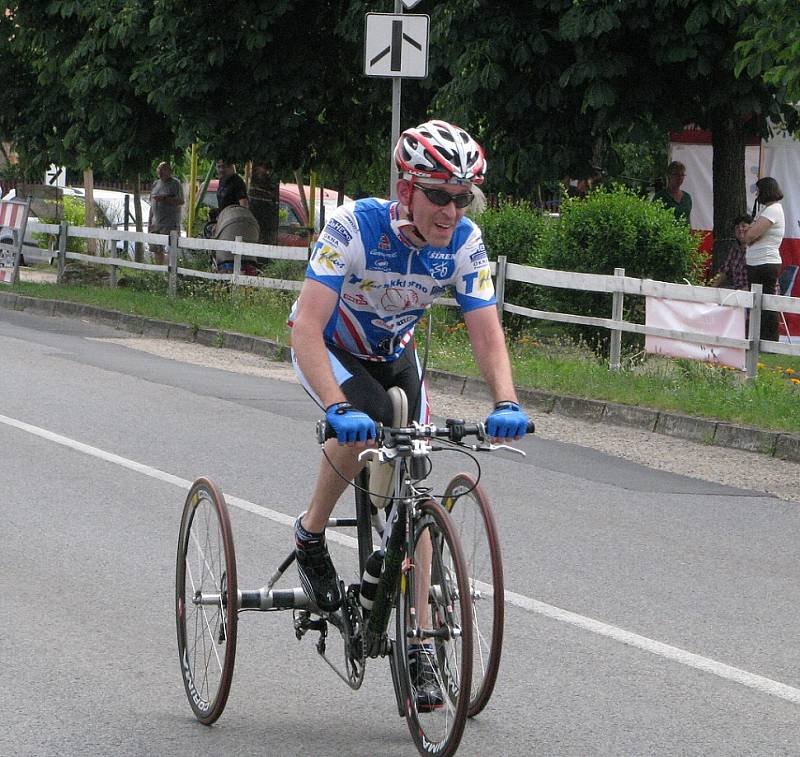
<point x="454" y="431"/>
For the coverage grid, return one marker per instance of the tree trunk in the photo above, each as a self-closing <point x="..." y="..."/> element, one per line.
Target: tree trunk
<point x="264" y="195"/>
<point x="138" y="255"/>
<point x="729" y="136"/>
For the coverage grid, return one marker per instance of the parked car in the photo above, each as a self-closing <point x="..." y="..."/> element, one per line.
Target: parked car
<point x="293" y="228"/>
<point x="110" y="205"/>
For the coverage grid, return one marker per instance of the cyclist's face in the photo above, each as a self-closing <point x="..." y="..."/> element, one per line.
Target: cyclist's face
<point x="435" y="222"/>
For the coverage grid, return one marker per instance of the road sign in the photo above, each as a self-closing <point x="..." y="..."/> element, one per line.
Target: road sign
<point x="396" y="45"/>
<point x="56" y="176"/>
<point x="411" y="3"/>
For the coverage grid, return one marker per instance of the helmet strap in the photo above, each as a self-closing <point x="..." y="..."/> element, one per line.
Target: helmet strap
<point x="400" y="223"/>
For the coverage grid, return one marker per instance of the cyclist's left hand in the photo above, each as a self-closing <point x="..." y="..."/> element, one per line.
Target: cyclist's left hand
<point x="507" y="421"/>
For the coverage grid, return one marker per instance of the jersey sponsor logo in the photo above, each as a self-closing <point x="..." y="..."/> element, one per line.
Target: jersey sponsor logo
<point x="328" y="257"/>
<point x="378" y="263"/>
<point x="441" y="255"/>
<point x="380" y="260"/>
<point x="441" y="270"/>
<point x="338" y="230"/>
<point x="394" y="300"/>
<point x="356" y="299"/>
<point x="479" y="257"/>
<point x="405" y="284"/>
<point x="365" y="285"/>
<point x="384" y="243"/>
<point x="478" y="283"/>
<point x="397" y="323"/>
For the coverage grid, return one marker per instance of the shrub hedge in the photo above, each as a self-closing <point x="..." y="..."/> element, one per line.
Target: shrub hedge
<point x="610" y="228"/>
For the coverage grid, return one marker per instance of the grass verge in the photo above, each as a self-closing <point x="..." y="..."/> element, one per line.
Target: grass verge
<point x="540" y="361"/>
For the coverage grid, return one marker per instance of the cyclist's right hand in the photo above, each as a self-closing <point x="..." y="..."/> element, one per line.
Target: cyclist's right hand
<point x="350" y="425"/>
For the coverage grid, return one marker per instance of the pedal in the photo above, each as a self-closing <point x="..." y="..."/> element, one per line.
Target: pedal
<point x="303" y="623"/>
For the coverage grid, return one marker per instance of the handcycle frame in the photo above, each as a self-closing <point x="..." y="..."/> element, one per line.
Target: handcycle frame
<point x="415" y="511"/>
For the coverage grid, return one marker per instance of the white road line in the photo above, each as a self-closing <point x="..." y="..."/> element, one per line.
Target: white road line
<point x="681" y="656"/>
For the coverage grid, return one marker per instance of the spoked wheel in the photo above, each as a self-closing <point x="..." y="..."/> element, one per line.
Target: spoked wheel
<point x="206" y="596"/>
<point x="434" y="641"/>
<point x="474" y="523"/>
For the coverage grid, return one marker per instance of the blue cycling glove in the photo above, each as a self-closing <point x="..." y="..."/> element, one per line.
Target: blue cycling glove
<point x="350" y="425"/>
<point x="507" y="421"/>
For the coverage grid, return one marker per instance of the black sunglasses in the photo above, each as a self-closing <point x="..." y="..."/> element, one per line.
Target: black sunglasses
<point x="441" y="198"/>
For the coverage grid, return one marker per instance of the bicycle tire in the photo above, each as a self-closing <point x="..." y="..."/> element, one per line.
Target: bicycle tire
<point x="206" y="564"/>
<point x="437" y="730"/>
<point x="474" y="523"/>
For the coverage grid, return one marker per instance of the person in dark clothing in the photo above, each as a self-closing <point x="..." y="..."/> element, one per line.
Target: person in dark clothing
<point x="672" y="196"/>
<point x="232" y="189"/>
<point x="733" y="272"/>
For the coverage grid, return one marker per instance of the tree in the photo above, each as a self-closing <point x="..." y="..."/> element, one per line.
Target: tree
<point x="584" y="72"/>
<point x="36" y="112"/>
<point x="769" y="45"/>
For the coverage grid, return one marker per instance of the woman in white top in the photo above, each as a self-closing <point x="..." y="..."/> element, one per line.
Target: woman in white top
<point x="763" y="240"/>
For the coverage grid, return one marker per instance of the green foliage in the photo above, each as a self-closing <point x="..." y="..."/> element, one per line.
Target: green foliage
<point x="769" y="45"/>
<point x="517" y="230"/>
<point x="618" y="229"/>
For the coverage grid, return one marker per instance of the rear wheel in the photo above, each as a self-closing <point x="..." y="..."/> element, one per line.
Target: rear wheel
<point x="473" y="521"/>
<point x="206" y="596"/>
<point x="444" y="627"/>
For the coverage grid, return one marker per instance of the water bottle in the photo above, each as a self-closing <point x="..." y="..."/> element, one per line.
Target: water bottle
<point x="369" y="581"/>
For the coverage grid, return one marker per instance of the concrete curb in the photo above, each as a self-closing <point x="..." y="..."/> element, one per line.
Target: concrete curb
<point x="782" y="445"/>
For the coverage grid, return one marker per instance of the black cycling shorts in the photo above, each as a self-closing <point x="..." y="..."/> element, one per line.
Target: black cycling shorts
<point x="365" y="383"/>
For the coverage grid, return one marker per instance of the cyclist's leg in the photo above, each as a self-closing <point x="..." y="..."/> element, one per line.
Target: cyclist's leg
<point x="368" y="395"/>
<point x="338" y="467"/>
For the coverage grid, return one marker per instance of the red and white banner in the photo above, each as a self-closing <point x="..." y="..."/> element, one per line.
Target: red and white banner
<point x="778" y="157"/>
<point x="11" y="214"/>
<point x="699" y="318"/>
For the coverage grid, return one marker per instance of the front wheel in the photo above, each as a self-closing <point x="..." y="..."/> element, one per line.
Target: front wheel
<point x="474" y="523"/>
<point x="206" y="597"/>
<point x="434" y="635"/>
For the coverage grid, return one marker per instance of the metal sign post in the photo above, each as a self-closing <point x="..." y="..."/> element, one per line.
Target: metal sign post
<point x="396" y="46"/>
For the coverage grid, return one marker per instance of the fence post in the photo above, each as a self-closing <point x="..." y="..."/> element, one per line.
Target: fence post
<point x="237" y="264"/>
<point x="172" y="263"/>
<point x="500" y="285"/>
<point x="754" y="332"/>
<point x="616" y="335"/>
<point x="63" y="231"/>
<point x="112" y="279"/>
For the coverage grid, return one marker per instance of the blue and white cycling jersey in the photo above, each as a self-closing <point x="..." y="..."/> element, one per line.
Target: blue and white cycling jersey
<point x="385" y="285"/>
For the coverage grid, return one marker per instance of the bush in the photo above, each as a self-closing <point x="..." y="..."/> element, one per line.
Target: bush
<point x="523" y="234"/>
<point x="516" y="230"/>
<point x="617" y="229"/>
<point x="74" y="215"/>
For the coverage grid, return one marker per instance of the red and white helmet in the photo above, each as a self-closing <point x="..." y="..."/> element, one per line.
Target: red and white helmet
<point x="441" y="153"/>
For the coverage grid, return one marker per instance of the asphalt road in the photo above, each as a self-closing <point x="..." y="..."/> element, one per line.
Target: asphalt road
<point x="647" y="613"/>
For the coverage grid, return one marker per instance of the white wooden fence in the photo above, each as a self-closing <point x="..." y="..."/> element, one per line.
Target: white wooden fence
<point x="617" y="285"/>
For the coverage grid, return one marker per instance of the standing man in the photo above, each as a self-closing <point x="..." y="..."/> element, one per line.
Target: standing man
<point x="375" y="270"/>
<point x="166" y="198"/>
<point x="231" y="189"/>
<point x="676" y="199"/>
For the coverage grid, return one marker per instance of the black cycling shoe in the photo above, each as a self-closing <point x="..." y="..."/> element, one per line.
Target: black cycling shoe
<point x="424" y="677"/>
<point x="317" y="574"/>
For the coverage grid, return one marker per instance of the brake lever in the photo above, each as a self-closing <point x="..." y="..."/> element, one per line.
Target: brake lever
<point x="494" y="447"/>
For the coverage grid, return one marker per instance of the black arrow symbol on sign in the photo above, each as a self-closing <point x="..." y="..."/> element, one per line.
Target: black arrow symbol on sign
<point x="396" y="47"/>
